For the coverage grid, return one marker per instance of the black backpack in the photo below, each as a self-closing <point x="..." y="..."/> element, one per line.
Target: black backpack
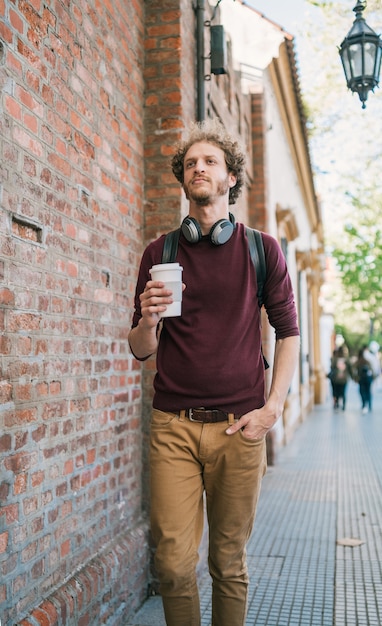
<point x="256" y="250"/>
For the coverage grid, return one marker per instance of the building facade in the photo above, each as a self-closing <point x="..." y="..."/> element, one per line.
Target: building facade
<point x="93" y="97"/>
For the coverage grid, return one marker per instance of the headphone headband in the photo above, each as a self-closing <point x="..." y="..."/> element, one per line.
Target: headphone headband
<point x="219" y="234"/>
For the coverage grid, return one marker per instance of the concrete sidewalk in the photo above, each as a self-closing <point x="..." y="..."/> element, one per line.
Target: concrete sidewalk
<point x="315" y="555"/>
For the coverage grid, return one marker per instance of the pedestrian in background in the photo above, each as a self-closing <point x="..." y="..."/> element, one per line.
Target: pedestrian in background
<point x="371" y="353"/>
<point x="210" y="415"/>
<point x="364" y="377"/>
<point x="339" y="375"/>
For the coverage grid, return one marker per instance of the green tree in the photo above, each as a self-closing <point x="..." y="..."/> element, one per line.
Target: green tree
<point x="359" y="257"/>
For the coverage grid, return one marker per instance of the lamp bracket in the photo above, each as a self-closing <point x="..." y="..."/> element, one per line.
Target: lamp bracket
<point x="215" y="9"/>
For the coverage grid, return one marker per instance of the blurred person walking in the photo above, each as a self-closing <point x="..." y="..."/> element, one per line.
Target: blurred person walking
<point x="372" y="355"/>
<point x="339" y="375"/>
<point x="364" y="376"/>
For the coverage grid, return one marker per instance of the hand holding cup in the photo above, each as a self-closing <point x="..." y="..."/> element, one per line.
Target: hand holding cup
<point x="171" y="275"/>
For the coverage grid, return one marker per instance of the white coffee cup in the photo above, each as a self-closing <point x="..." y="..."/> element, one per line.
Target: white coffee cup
<point x="171" y="275"/>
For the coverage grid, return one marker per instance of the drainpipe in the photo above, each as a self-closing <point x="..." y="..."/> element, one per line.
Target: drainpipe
<point x="200" y="73"/>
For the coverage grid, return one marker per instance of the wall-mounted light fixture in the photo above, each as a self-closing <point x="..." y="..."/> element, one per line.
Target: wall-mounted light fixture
<point x="218" y="53"/>
<point x="218" y="50"/>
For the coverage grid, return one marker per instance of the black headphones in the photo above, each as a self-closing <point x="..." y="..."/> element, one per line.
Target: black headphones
<point x="220" y="232"/>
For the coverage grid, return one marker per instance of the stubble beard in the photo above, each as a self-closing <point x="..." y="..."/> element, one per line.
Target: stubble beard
<point x="203" y="197"/>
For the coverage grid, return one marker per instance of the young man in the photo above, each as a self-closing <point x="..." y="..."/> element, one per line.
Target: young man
<point x="210" y="416"/>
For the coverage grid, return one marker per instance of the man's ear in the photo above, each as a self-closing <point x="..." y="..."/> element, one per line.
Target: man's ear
<point x="232" y="180"/>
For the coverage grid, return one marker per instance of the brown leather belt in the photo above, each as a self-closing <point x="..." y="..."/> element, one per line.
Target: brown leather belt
<point x="208" y="416"/>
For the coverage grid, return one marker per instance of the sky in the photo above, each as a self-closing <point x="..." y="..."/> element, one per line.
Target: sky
<point x="289" y="14"/>
<point x="286" y="13"/>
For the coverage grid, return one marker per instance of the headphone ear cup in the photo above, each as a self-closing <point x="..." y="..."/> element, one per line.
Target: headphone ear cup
<point x="221" y="232"/>
<point x="191" y="230"/>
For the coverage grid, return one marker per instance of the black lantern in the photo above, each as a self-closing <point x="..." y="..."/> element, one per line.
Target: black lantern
<point x="361" y="52"/>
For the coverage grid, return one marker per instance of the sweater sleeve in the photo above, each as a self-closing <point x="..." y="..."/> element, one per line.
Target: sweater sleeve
<point x="279" y="298"/>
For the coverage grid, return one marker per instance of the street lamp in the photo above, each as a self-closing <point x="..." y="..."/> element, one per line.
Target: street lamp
<point x="361" y="53"/>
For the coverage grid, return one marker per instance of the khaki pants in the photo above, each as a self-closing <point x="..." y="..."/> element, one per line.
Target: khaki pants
<point x="188" y="458"/>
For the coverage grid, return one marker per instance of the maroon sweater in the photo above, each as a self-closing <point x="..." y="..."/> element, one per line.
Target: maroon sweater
<point x="211" y="355"/>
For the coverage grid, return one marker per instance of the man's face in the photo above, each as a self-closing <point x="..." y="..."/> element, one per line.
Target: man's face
<point x="205" y="173"/>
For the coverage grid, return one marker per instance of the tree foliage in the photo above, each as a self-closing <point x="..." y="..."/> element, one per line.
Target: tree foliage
<point x="359" y="259"/>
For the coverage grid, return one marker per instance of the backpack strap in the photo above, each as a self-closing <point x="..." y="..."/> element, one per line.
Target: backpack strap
<point x="170" y="247"/>
<point x="256" y="250"/>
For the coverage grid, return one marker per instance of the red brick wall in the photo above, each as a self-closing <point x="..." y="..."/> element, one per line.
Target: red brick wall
<point x="71" y="215"/>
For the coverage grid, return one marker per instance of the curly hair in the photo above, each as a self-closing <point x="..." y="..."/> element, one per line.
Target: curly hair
<point x="212" y="131"/>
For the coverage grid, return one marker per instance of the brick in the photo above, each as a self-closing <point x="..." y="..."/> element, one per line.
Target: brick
<point x="5" y="32"/>
<point x="29" y="552"/>
<point x="21" y="438"/>
<point x="33" y="81"/>
<point x="5" y="345"/>
<point x="65" y="548"/>
<point x="27" y="100"/>
<point x="20" y="484"/>
<point x="30" y="123"/>
<point x="11" y="511"/>
<point x="23" y="392"/>
<point x="25" y="140"/>
<point x="30" y="505"/>
<point x="13" y="63"/>
<point x="39" y="433"/>
<point x="7" y="297"/>
<point x="24" y="321"/>
<point x="5" y="392"/>
<point x="20" y="461"/>
<point x="60" y="164"/>
<point x="51" y="611"/>
<point x="13" y="108"/>
<point x="37" y="478"/>
<point x="19" y="417"/>
<point x="3" y="542"/>
<point x="4" y="490"/>
<point x="41" y="617"/>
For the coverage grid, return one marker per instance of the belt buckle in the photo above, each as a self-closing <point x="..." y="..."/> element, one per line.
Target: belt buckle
<point x="190" y="413"/>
